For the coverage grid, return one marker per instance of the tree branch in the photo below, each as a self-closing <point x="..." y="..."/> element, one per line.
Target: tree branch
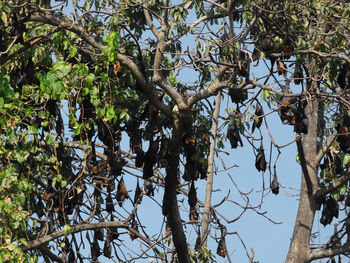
<point x="209" y="187"/>
<point x="324" y="149"/>
<point x="74" y="229"/>
<point x="216" y="86"/>
<point x="327" y="189"/>
<point x="123" y="59"/>
<point x="157" y="64"/>
<point x="303" y="163"/>
<point x="329" y="252"/>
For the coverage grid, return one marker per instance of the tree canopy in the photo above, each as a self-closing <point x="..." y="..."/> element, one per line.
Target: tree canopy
<point x="108" y="106"/>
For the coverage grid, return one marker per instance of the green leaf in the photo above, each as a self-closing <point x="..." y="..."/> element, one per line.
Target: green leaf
<point x="85" y="91"/>
<point x="73" y="51"/>
<point x="346" y="159"/>
<point x="33" y="128"/>
<point x="67" y="230"/>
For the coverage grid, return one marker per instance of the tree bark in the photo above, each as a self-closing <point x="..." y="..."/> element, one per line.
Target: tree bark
<point x="170" y="205"/>
<point x="209" y="186"/>
<point x="299" y="249"/>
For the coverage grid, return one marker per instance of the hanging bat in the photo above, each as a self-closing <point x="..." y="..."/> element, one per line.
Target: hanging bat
<point x="281" y="68"/>
<point x="122" y="193"/>
<point x="260" y="161"/>
<point x="330" y="210"/>
<point x="140" y="158"/>
<point x="298" y="74"/>
<point x="109" y="204"/>
<point x="344" y="77"/>
<point x="193" y="216"/>
<point x="135" y="227"/>
<point x="113" y="231"/>
<point x="258" y="117"/>
<point x="287" y="106"/>
<point x="192" y="195"/>
<point x="189" y="143"/>
<point x="115" y="162"/>
<point x="237" y="95"/>
<point x="301" y="122"/>
<point x="233" y="133"/>
<point x="99" y="234"/>
<point x="138" y="194"/>
<point x="150" y="159"/>
<point x="274" y="184"/>
<point x="148" y="188"/>
<point x="107" y="249"/>
<point x="190" y="168"/>
<point x="95" y="250"/>
<point x="221" y="249"/>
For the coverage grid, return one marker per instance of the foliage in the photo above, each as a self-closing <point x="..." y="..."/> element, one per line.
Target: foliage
<point x="95" y="99"/>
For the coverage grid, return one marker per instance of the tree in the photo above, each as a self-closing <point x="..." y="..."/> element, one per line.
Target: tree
<point x="81" y="78"/>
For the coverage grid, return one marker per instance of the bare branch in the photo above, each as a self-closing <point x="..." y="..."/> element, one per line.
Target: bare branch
<point x="209" y="186"/>
<point x="327" y="253"/>
<point x="74" y="229"/>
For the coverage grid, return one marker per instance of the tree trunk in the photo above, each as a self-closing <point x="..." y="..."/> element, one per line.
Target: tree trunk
<point x="299" y="249"/>
<point x="170" y="205"/>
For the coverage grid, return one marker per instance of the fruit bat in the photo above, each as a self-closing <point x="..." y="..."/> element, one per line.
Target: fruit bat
<point x="287" y="48"/>
<point x="115" y="162"/>
<point x="99" y="234"/>
<point x="113" y="231"/>
<point x="344" y="77"/>
<point x="257" y="117"/>
<point x="203" y="169"/>
<point x="301" y="122"/>
<point x="335" y="160"/>
<point x="95" y="250"/>
<point x="347" y="199"/>
<point x="189" y="169"/>
<point x="109" y="203"/>
<point x="344" y="134"/>
<point x="260" y="162"/>
<point x="110" y="185"/>
<point x="221" y="250"/>
<point x="275" y="186"/>
<point x="138" y="194"/>
<point x="298" y="74"/>
<point x="150" y="159"/>
<point x="135" y="139"/>
<point x="233" y="133"/>
<point x="192" y="195"/>
<point x="237" y="95"/>
<point x="104" y="133"/>
<point x="71" y="256"/>
<point x="193" y="216"/>
<point x="122" y="193"/>
<point x="135" y="227"/>
<point x="164" y="154"/>
<point x="189" y="143"/>
<point x="330" y="210"/>
<point x="18" y="28"/>
<point x="140" y="158"/>
<point x="107" y="249"/>
<point x="286" y="111"/>
<point x="243" y="64"/>
<point x="281" y="68"/>
<point x="148" y="188"/>
<point x="198" y="241"/>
